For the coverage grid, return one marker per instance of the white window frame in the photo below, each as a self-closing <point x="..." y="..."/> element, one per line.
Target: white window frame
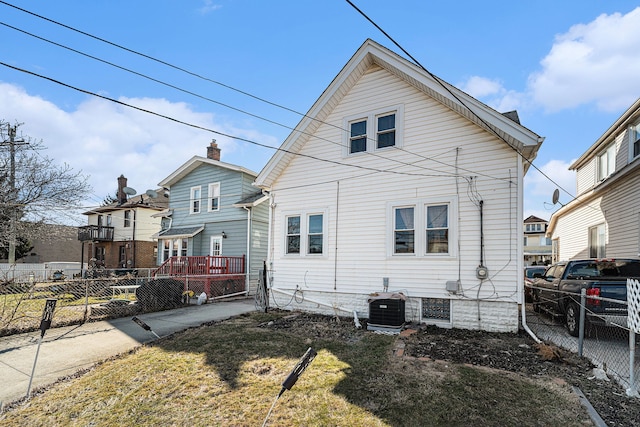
<point x="426" y="229"/>
<point x="309" y="234"/>
<point x="215" y="245"/>
<point x="634" y="139"/>
<point x="396" y="229"/>
<point x="420" y="226"/>
<point x="597" y="249"/>
<point x="127" y="218"/>
<point x="607" y="162"/>
<point x="305" y="232"/>
<point x="371" y="118"/>
<point x="213" y="193"/>
<point x="173" y="247"/>
<point x="195" y="200"/>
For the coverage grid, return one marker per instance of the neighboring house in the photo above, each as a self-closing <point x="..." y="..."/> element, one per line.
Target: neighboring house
<point x="395" y="180"/>
<point x="537" y="246"/>
<point x="604" y="218"/>
<point x="214" y="212"/>
<point x="53" y="243"/>
<point x="119" y="235"/>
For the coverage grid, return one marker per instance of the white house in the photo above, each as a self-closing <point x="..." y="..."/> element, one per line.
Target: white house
<point x="397" y="181"/>
<point x="604" y="218"/>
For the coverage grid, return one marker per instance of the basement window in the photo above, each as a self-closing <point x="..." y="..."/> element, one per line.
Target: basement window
<point x="436" y="309"/>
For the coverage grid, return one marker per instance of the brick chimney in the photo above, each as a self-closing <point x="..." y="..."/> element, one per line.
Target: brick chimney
<point x="122" y="196"/>
<point x="213" y="152"/>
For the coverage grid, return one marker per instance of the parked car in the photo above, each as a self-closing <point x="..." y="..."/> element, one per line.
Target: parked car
<point x="557" y="291"/>
<point x="529" y="273"/>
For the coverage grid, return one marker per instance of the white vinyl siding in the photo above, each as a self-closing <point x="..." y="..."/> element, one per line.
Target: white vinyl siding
<point x="358" y="232"/>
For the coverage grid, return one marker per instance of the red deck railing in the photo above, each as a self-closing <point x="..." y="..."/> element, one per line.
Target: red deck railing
<point x="201" y="266"/>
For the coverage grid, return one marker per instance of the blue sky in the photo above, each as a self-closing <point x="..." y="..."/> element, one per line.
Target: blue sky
<point x="569" y="68"/>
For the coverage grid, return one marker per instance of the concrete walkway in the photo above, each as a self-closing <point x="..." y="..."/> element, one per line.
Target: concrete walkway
<point x="65" y="351"/>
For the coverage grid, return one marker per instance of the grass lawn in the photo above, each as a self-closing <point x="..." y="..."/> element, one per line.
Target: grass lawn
<point x="229" y="374"/>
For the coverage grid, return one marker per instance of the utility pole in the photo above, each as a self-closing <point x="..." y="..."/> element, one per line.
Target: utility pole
<point x="12" y="199"/>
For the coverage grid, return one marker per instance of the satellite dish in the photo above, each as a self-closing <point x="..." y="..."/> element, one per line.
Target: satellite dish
<point x="130" y="191"/>
<point x="556" y="196"/>
<point x="152" y="194"/>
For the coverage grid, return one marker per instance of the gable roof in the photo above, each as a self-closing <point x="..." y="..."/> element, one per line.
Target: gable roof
<point x="533" y="218"/>
<point x="370" y="54"/>
<point x="196" y="161"/>
<point x="158" y="202"/>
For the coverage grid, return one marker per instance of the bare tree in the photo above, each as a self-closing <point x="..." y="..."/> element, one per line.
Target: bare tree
<point x="33" y="187"/>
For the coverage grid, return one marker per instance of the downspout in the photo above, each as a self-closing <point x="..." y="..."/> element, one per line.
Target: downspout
<point x="520" y="248"/>
<point x="248" y="263"/>
<point x="335" y="261"/>
<point x="133" y="240"/>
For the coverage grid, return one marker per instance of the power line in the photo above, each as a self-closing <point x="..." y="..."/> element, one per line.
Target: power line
<point x="221" y="84"/>
<point x="441" y="83"/>
<point x="211" y="130"/>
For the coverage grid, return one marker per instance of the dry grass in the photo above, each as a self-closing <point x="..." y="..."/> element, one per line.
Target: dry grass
<point x="228" y="374"/>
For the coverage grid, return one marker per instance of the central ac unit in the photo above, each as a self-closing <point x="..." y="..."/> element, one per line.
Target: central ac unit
<point x="386" y="313"/>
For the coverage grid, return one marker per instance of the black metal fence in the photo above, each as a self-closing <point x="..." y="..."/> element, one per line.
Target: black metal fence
<point x="583" y="328"/>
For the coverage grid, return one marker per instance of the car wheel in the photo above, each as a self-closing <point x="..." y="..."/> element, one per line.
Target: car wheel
<point x="572" y="319"/>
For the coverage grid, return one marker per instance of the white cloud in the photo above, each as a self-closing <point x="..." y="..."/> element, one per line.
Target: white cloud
<point x="104" y="140"/>
<point x="595" y="62"/>
<point x="538" y="188"/>
<point x="493" y="93"/>
<point x="209" y="6"/>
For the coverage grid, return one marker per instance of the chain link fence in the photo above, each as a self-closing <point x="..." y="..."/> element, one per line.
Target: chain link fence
<point x="104" y="294"/>
<point x="591" y="326"/>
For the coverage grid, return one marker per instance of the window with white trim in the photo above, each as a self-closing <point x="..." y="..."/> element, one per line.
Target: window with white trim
<point x="437" y="229"/>
<point x="376" y="130"/>
<point x="127" y="218"/>
<point x="607" y="162"/>
<point x="404" y="231"/>
<point x="174" y="247"/>
<point x="597" y="241"/>
<point x="293" y="234"/>
<point x="213" y="199"/>
<point x="305" y="233"/>
<point x="315" y="237"/>
<point x="422" y="228"/>
<point x="358" y="136"/>
<point x="634" y="143"/>
<point x="194" y="200"/>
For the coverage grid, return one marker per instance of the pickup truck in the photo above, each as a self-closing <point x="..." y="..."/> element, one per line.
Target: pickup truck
<point x="557" y="290"/>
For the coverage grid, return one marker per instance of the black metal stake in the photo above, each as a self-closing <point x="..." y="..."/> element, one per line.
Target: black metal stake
<point x="45" y="323"/>
<point x="144" y="325"/>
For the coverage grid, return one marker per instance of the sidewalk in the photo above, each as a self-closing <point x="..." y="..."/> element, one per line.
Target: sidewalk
<point x="65" y="351"/>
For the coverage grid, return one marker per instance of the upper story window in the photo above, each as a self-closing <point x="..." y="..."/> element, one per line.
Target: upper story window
<point x="194" y="205"/>
<point x="386" y="132"/>
<point x="358" y="137"/>
<point x="634" y="143"/>
<point x="376" y="130"/>
<point x="109" y="220"/>
<point x="607" y="162"/>
<point x="127" y="218"/>
<point x="214" y="197"/>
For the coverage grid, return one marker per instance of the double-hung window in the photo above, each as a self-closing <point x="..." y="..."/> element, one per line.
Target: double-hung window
<point x="597" y="241"/>
<point x="373" y="130"/>
<point x="305" y="233"/>
<point x="315" y="236"/>
<point x="214" y="197"/>
<point x="607" y="162"/>
<point x="127" y="218"/>
<point x="634" y="143"/>
<point x="358" y="136"/>
<point x="293" y="234"/>
<point x="194" y="205"/>
<point x="437" y="229"/>
<point x="386" y="131"/>
<point x="404" y="231"/>
<point x="422" y="228"/>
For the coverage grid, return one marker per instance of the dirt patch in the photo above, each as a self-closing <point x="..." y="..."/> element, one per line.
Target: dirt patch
<point x="517" y="353"/>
